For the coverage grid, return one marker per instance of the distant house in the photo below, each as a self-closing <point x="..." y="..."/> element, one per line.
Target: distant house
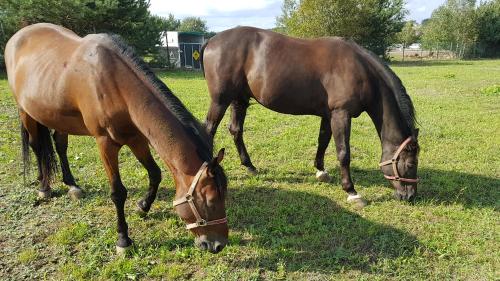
<point x="183" y="48"/>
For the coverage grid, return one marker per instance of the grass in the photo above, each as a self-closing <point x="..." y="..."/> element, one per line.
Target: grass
<point x="284" y="224"/>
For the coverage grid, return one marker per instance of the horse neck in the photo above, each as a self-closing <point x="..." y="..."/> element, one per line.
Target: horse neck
<point x="389" y="123"/>
<point x="166" y="134"/>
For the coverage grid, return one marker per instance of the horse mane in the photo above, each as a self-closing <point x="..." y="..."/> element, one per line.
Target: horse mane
<point x="403" y="100"/>
<point x="190" y="124"/>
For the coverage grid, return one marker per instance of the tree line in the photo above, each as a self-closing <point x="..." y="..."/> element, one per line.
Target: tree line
<point x="462" y="26"/>
<point x="129" y="18"/>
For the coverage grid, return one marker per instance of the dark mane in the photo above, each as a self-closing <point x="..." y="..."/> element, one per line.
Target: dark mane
<point x="403" y="100"/>
<point x="190" y="124"/>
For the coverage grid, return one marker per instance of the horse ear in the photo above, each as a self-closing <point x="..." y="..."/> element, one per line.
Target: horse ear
<point x="215" y="161"/>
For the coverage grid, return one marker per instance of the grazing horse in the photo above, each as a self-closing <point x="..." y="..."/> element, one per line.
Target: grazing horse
<point x="97" y="86"/>
<point x="332" y="78"/>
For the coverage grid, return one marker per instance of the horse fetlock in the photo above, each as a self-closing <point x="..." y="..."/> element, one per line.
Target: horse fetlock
<point x="142" y="210"/>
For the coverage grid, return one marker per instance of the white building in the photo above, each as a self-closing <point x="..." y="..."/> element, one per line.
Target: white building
<point x="183" y="48"/>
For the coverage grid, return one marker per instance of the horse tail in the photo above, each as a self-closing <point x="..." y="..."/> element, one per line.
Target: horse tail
<point x="25" y="152"/>
<point x="201" y="56"/>
<point x="48" y="158"/>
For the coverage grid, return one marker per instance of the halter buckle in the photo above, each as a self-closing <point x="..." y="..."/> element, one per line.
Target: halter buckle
<point x="201" y="222"/>
<point x="189" y="197"/>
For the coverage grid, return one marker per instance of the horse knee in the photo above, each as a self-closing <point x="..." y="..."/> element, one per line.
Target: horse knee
<point x="344" y="158"/>
<point x="119" y="195"/>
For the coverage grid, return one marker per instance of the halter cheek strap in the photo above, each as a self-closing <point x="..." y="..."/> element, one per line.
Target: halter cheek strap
<point x="394" y="162"/>
<point x="188" y="198"/>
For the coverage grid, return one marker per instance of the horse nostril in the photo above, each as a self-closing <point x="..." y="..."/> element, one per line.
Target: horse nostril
<point x="204" y="245"/>
<point x="218" y="247"/>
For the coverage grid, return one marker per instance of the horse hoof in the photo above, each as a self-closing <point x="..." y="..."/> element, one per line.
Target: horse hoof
<point x="140" y="211"/>
<point x="44" y="194"/>
<point x="75" y="193"/>
<point x="252" y="171"/>
<point x="357" y="200"/>
<point x="123" y="251"/>
<point x="322" y="176"/>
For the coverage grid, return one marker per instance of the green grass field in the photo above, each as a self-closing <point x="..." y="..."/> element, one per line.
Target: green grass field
<point x="283" y="223"/>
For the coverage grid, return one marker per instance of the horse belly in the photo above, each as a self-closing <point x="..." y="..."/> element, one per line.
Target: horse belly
<point x="67" y="120"/>
<point x="293" y="100"/>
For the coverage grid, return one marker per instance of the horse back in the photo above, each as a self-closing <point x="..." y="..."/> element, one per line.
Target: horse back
<point x="286" y="74"/>
<point x="64" y="81"/>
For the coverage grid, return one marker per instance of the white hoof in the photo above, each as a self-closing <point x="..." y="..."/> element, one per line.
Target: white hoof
<point x="353" y="197"/>
<point x="123" y="251"/>
<point x="75" y="193"/>
<point x="357" y="200"/>
<point x="44" y="195"/>
<point x="322" y="176"/>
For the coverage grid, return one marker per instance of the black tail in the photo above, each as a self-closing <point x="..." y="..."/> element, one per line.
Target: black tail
<point x="201" y="56"/>
<point x="48" y="158"/>
<point x="45" y="150"/>
<point x="26" y="152"/>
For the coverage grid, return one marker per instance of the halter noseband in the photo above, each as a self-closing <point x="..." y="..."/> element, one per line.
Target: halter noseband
<point x="394" y="162"/>
<point x="188" y="198"/>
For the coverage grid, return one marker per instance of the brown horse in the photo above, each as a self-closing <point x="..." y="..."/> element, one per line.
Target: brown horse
<point x="96" y="86"/>
<point x="328" y="77"/>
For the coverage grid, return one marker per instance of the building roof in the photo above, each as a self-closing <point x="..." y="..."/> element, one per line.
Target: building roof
<point x="196" y="33"/>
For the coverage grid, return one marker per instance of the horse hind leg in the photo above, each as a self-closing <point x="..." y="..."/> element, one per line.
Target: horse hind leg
<point x="61" y="143"/>
<point x="38" y="138"/>
<point x="238" y="113"/>
<point x="325" y="135"/>
<point x="214" y="116"/>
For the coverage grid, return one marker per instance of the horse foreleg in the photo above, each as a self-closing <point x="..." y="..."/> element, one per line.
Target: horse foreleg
<point x="238" y="113"/>
<point x="325" y="135"/>
<point x="108" y="151"/>
<point x="214" y="116"/>
<point x="141" y="151"/>
<point x="341" y="129"/>
<point x="61" y="142"/>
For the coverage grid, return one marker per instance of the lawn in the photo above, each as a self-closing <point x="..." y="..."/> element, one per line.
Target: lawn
<point x="283" y="223"/>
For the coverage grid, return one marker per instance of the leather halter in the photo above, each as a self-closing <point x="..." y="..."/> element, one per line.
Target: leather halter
<point x="394" y="162"/>
<point x="188" y="198"/>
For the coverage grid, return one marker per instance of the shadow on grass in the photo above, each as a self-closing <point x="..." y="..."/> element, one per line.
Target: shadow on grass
<point x="447" y="187"/>
<point x="312" y="233"/>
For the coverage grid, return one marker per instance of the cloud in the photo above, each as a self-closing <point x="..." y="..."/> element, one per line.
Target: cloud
<point x="421" y="9"/>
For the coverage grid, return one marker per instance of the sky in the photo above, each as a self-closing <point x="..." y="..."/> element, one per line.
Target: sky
<point x="225" y="14"/>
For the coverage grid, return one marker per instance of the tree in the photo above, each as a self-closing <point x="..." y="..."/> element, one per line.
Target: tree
<point x="408" y="35"/>
<point x="128" y="18"/>
<point x="371" y="23"/>
<point x="193" y="24"/>
<point x="488" y="26"/>
<point x="452" y="24"/>
<point x="287" y="10"/>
